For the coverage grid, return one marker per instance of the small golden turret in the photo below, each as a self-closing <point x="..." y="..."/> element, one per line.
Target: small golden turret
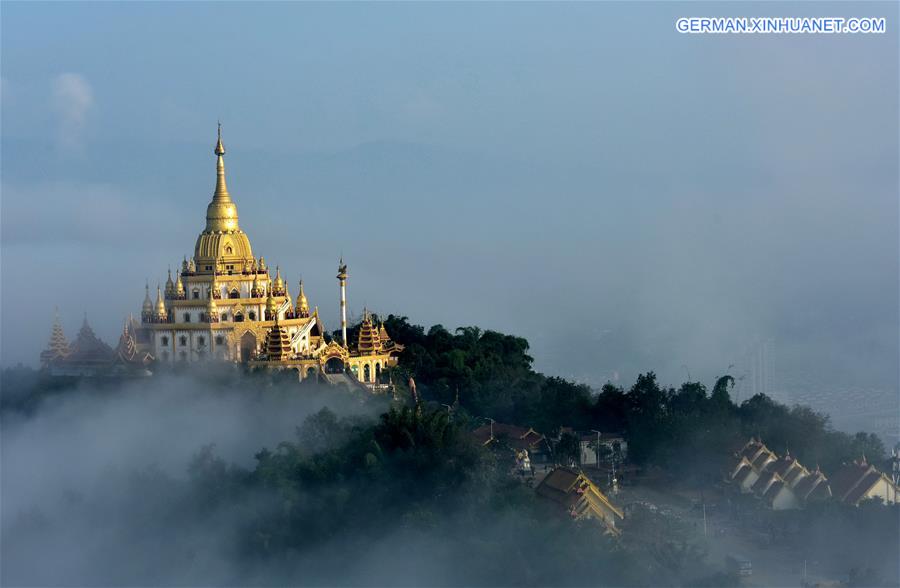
<point x="262" y="265"/>
<point x="278" y="288"/>
<point x="302" y="308"/>
<point x="161" y="314"/>
<point x="192" y="267"/>
<point x="271" y="307"/>
<point x="179" y="289"/>
<point x="255" y="290"/>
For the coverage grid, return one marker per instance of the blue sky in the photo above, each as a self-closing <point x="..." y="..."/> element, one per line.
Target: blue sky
<point x="626" y="197"/>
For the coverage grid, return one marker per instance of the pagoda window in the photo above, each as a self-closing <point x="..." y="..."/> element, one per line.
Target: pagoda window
<point x="165" y="341"/>
<point x="209" y="268"/>
<point x="228" y="250"/>
<point x="366" y="373"/>
<point x="234" y="294"/>
<point x="238" y="317"/>
<point x="187" y="317"/>
<point x="224" y="316"/>
<point x="201" y="341"/>
<point x="183" y="341"/>
<point x="196" y="294"/>
<point x="219" y="339"/>
<point x="252" y="315"/>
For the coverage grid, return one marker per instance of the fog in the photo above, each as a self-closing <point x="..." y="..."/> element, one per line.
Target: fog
<point x="95" y="483"/>
<point x="101" y="487"/>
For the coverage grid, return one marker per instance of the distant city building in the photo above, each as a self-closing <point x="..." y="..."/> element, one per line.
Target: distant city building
<point x="224" y="305"/>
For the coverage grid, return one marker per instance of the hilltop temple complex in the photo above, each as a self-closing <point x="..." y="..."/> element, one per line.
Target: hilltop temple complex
<point x="223" y="304"/>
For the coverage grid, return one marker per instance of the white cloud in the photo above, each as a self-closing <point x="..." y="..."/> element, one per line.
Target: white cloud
<point x="72" y="101"/>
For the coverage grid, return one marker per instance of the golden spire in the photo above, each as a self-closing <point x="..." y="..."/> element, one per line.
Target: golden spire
<point x="302" y="309"/>
<point x="221" y="214"/>
<point x="179" y="287"/>
<point x="160" y="305"/>
<point x="221" y="187"/>
<point x="279" y="286"/>
<point x="148" y="304"/>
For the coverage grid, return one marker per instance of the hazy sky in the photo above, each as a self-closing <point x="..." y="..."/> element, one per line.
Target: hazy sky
<point x="626" y="197"/>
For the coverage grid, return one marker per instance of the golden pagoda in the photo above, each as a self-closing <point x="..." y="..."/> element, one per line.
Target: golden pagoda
<point x="223" y="305"/>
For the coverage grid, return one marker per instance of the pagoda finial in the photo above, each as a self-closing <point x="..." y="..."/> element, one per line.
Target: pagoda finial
<point x="221" y="192"/>
<point x="220" y="149"/>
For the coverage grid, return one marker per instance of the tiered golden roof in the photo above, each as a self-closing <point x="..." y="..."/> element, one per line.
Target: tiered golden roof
<point x="369" y="337"/>
<point x="278" y="344"/>
<point x="58" y="347"/>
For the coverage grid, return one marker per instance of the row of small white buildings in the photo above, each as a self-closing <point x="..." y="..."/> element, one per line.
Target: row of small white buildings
<point x="784" y="483"/>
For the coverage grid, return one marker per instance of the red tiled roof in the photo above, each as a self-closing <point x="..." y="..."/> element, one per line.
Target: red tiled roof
<point x="516" y="437"/>
<point x="742" y="473"/>
<point x="847" y="478"/>
<point x="762" y="459"/>
<point x="760" y="485"/>
<point x="864" y="485"/>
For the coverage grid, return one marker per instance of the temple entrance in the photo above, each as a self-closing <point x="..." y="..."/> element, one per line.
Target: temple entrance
<point x="334" y="366"/>
<point x="366" y="373"/>
<point x="248" y="346"/>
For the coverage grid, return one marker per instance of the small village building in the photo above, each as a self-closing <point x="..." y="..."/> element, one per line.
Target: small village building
<point x="515" y="439"/>
<point x="580" y="497"/>
<point x="752" y="460"/>
<point x="611" y="446"/>
<point x="859" y="480"/>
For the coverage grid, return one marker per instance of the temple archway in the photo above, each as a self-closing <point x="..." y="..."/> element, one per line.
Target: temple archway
<point x="366" y="373"/>
<point x="335" y="365"/>
<point x="248" y="346"/>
